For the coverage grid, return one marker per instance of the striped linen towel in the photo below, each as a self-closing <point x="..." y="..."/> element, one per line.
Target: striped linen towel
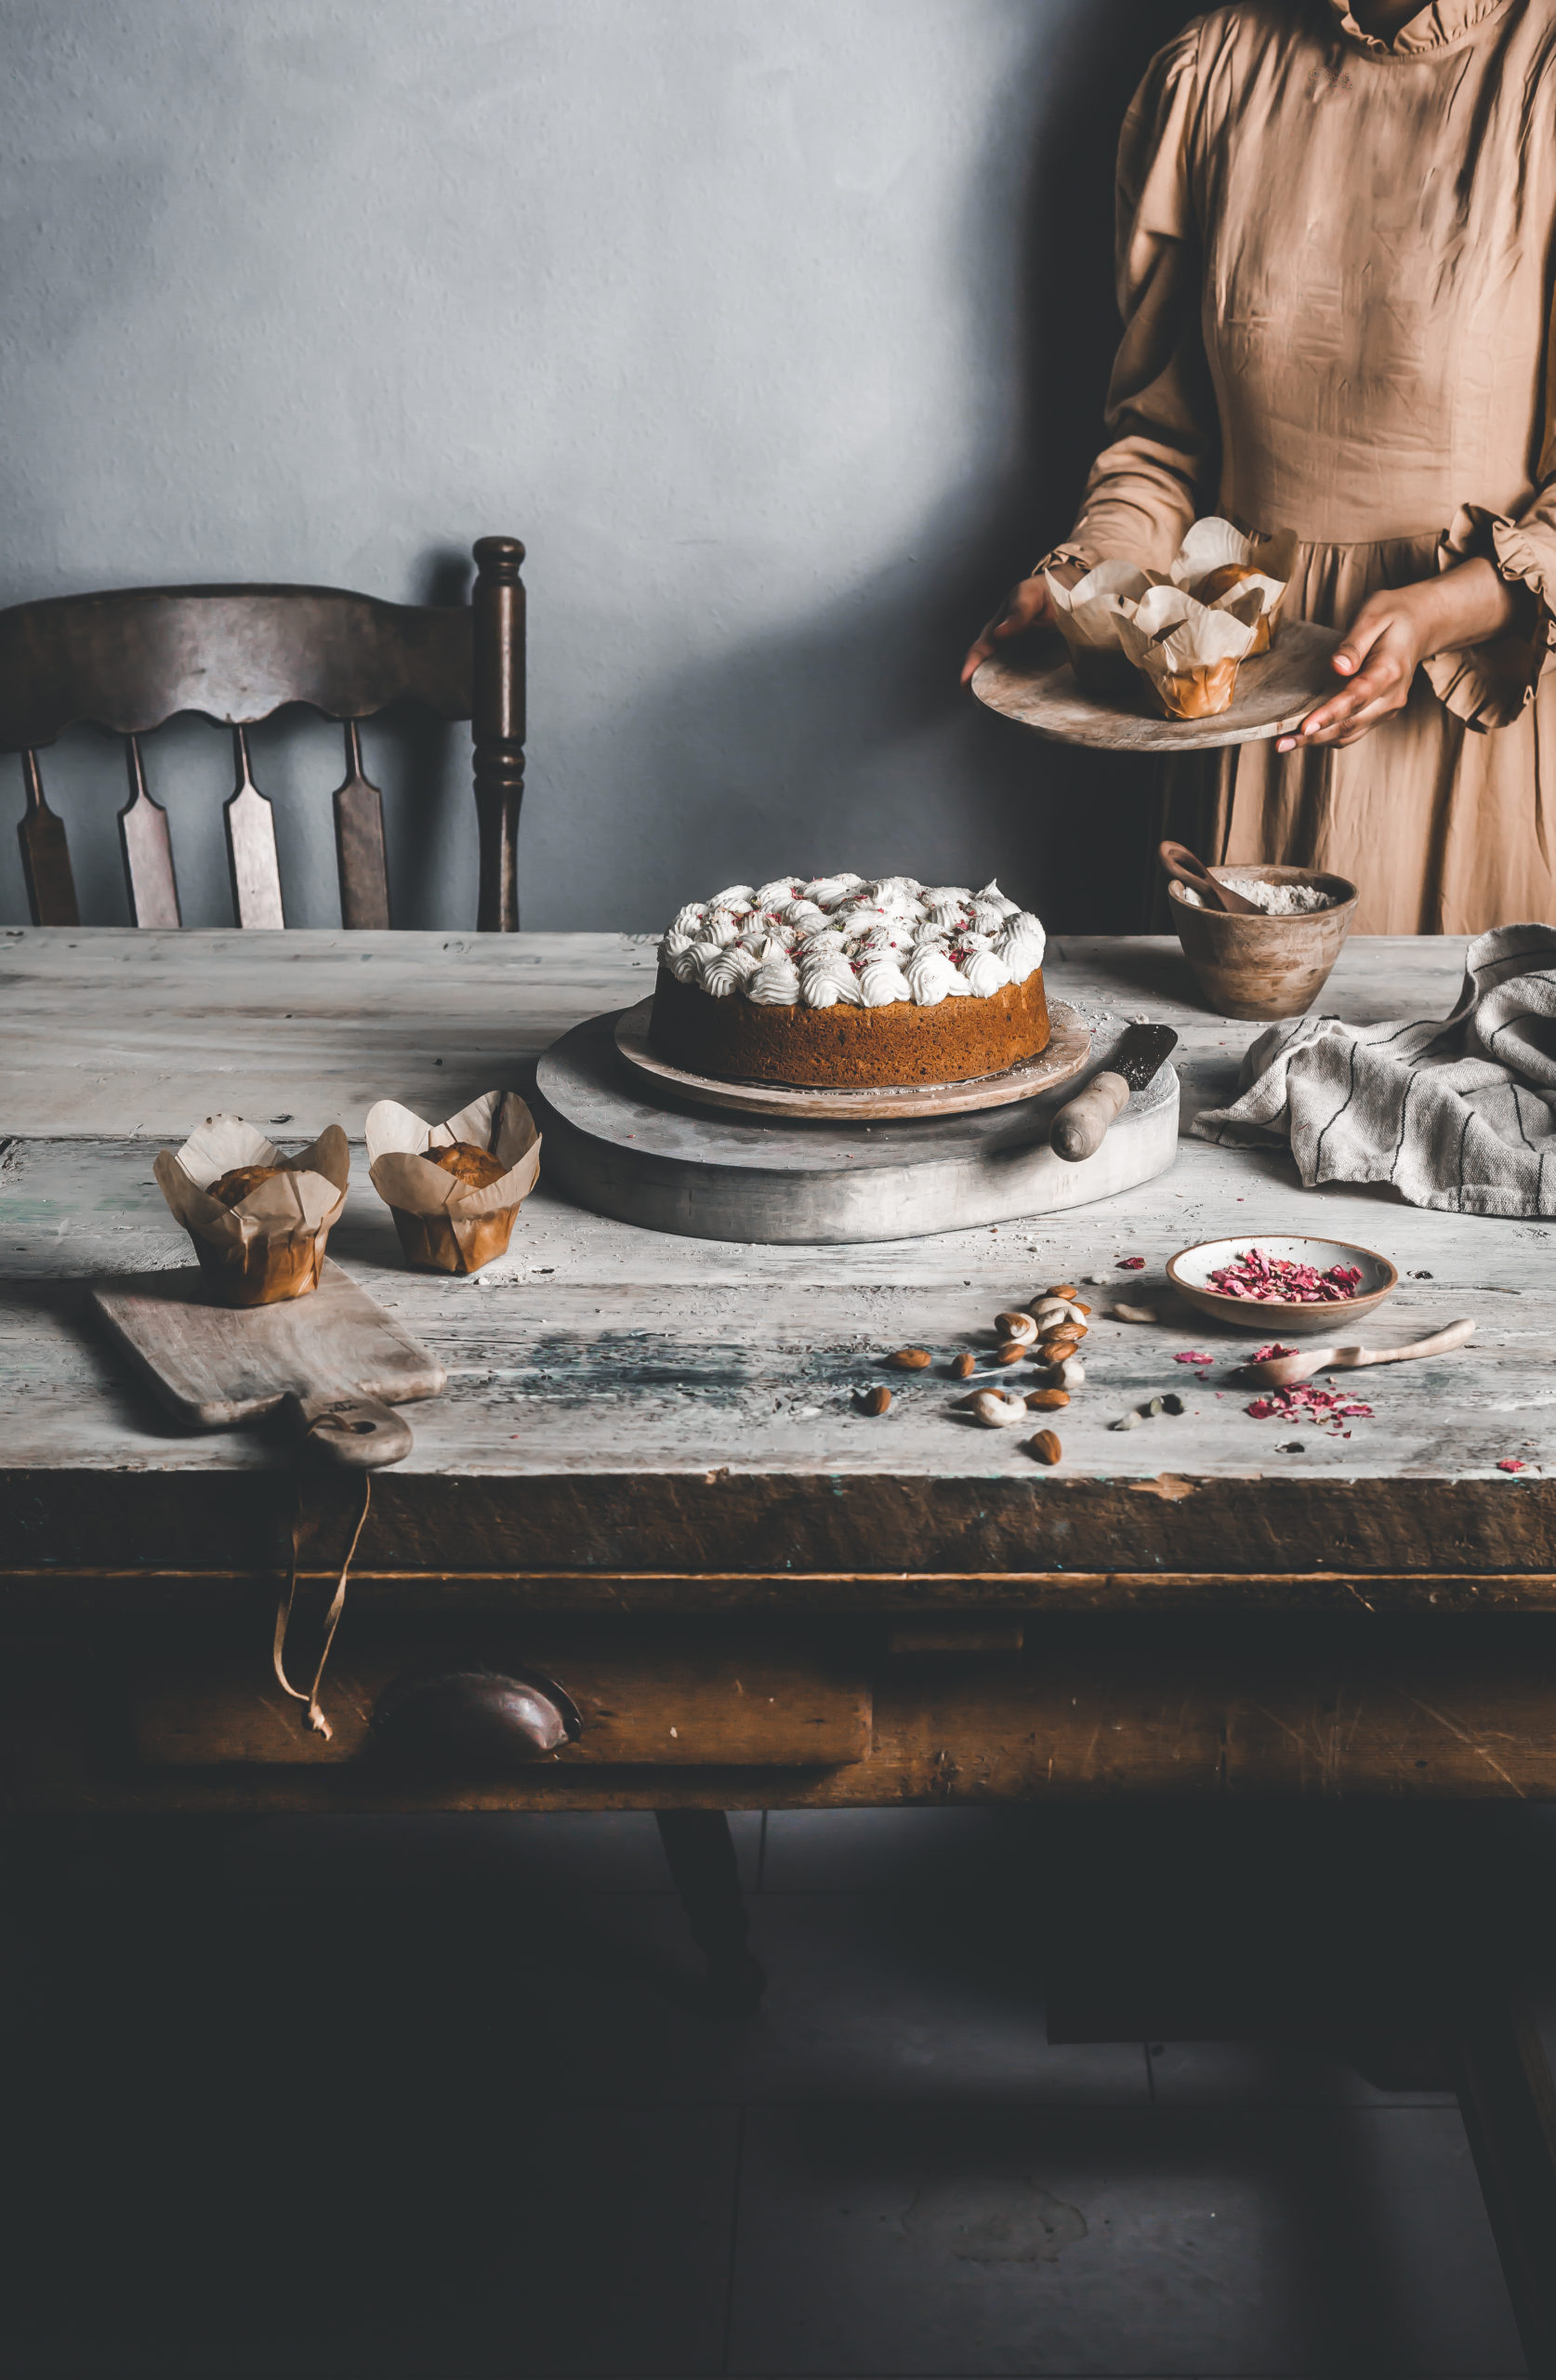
<point x="1461" y="1114"/>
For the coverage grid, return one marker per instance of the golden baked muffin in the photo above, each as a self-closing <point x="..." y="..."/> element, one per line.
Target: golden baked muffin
<point x="229" y="1187"/>
<point x="478" y="1168"/>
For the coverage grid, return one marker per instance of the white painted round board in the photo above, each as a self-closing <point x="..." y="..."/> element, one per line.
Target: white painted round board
<point x="626" y="1146"/>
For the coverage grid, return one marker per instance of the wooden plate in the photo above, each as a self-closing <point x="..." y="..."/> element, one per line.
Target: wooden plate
<point x="1066" y="1053"/>
<point x="1190" y="1272"/>
<point x="1035" y="685"/>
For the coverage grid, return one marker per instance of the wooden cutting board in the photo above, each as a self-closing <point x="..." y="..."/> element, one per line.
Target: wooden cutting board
<point x="332" y="1358"/>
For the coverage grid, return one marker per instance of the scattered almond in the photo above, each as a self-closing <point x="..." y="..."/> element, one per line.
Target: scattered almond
<point x="1047" y="1400"/>
<point x="911" y="1359"/>
<point x="1045" y="1447"/>
<point x="875" y="1401"/>
<point x="1134" y="1313"/>
<point x="964" y="1366"/>
<point x="1010" y="1351"/>
<point x="1081" y="1307"/>
<point x="994" y="1408"/>
<point x="1019" y="1324"/>
<point x="1065" y="1290"/>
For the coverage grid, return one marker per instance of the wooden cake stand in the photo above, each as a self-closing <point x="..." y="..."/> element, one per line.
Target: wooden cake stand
<point x="1033" y="683"/>
<point x="634" y="1144"/>
<point x="1069" y="1046"/>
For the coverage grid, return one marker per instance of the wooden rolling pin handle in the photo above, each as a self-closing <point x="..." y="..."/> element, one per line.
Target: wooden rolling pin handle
<point x="355" y="1433"/>
<point x="1078" y="1129"/>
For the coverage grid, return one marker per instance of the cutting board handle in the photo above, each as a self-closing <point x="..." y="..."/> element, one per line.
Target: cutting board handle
<point x="355" y="1433"/>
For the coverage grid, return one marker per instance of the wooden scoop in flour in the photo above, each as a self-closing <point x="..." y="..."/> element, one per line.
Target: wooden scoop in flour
<point x="1279" y="1371"/>
<point x="1185" y="867"/>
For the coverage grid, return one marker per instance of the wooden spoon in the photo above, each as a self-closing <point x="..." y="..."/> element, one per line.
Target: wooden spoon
<point x="1279" y="1371"/>
<point x="1181" y="864"/>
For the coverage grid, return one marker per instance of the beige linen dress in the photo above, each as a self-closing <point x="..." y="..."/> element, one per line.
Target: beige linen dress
<point x="1335" y="263"/>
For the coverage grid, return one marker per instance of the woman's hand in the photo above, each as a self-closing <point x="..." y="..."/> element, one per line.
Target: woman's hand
<point x="1396" y="631"/>
<point x="1027" y="606"/>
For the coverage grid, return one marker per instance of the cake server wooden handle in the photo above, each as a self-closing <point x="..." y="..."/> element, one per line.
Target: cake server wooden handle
<point x="1078" y="1129"/>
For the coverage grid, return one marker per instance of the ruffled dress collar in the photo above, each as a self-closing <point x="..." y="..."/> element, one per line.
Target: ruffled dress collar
<point x="1441" y="27"/>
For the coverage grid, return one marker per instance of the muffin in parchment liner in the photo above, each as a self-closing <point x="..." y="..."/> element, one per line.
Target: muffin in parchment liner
<point x="262" y="1242"/>
<point x="447" y="1224"/>
<point x="1087" y="616"/>
<point x="1189" y="654"/>
<point x="1219" y="567"/>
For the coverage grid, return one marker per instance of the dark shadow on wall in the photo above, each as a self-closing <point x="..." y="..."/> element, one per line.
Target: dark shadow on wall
<point x="852" y="743"/>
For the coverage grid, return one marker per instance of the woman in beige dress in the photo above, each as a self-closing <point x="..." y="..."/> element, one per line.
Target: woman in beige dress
<point x="1337" y="233"/>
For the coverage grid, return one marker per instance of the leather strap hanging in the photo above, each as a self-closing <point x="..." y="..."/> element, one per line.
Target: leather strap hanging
<point x="315" y="1719"/>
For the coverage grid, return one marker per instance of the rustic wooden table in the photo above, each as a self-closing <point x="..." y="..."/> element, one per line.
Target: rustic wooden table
<point x="648" y="1475"/>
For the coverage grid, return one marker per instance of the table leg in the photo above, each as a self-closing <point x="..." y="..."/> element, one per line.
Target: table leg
<point x="1508" y="2096"/>
<point x="701" y="1853"/>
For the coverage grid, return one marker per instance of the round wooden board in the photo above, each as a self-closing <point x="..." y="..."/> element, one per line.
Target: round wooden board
<point x="627" y="1145"/>
<point x="1037" y="688"/>
<point x="1070" y="1041"/>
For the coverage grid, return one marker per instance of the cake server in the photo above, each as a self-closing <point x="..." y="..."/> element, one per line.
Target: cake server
<point x="1078" y="1129"/>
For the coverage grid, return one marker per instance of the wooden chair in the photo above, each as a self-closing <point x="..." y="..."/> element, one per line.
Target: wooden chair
<point x="131" y="659"/>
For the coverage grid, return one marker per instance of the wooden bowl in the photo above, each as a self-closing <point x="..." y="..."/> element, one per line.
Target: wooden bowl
<point x="1259" y="967"/>
<point x="1190" y="1272"/>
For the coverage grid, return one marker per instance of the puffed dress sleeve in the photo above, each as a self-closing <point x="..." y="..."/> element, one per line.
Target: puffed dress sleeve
<point x="1147" y="485"/>
<point x="1490" y="685"/>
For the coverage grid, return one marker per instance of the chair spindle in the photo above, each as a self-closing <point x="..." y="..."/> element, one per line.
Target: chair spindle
<point x="147" y="849"/>
<point x="359" y="843"/>
<point x="251" y="852"/>
<point x="497" y="725"/>
<point x="45" y="855"/>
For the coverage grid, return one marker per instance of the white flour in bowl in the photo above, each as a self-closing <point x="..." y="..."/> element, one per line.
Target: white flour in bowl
<point x="1276" y="900"/>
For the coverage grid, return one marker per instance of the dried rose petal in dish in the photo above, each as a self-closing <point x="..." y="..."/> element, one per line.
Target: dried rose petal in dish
<point x="1279" y="1281"/>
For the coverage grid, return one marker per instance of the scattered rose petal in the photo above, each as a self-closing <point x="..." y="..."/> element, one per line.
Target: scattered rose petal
<point x="1131" y="1263"/>
<point x="1193" y="1356"/>
<point x="1512" y="1462"/>
<point x="1268" y="1354"/>
<point x="1302" y="1402"/>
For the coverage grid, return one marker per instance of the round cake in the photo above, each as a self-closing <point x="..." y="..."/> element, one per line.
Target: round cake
<point x="841" y="983"/>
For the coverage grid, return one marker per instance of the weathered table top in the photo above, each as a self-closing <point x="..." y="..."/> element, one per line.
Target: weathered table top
<point x="623" y="1401"/>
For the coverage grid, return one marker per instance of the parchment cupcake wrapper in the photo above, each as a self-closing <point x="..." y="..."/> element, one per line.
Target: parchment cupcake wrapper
<point x="271" y="1246"/>
<point x="444" y="1224"/>
<point x="1187" y="652"/>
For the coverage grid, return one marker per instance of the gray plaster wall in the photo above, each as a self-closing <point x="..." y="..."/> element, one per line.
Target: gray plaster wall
<point x="776" y="328"/>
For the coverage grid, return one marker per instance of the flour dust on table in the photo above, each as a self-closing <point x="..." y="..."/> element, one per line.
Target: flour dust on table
<point x="840" y="980"/>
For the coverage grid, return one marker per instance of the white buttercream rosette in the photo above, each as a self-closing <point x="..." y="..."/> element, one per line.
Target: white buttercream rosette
<point x="830" y="941"/>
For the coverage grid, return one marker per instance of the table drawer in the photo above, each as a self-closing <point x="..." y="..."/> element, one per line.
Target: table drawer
<point x="694" y="1701"/>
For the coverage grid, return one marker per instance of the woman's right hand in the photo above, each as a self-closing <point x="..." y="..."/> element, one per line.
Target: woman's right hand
<point x="1027" y="606"/>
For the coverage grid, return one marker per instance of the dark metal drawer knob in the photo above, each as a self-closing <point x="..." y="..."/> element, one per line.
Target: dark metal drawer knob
<point x="474" y="1719"/>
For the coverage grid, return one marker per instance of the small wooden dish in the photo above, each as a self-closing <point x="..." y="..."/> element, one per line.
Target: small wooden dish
<point x="1190" y="1272"/>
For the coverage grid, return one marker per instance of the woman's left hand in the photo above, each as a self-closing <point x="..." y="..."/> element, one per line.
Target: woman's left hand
<point x="1390" y="638"/>
<point x="1392" y="635"/>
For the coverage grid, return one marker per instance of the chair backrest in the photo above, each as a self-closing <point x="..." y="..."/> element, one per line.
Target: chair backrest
<point x="128" y="660"/>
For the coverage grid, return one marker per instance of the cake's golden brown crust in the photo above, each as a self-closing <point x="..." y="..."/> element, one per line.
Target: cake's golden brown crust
<point x="229" y="1187"/>
<point x="846" y="1048"/>
<point x="476" y="1166"/>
